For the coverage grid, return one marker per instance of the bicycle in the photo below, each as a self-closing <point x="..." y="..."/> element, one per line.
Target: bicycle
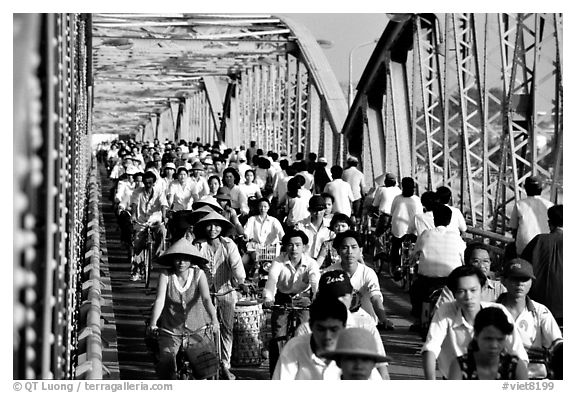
<point x="197" y="356"/>
<point x="407" y="264"/>
<point x="264" y="255"/>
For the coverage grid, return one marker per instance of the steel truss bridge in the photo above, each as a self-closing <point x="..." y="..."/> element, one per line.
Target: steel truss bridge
<point x="471" y="101"/>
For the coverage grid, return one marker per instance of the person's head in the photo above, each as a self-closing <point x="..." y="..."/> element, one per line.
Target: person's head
<point x="555" y="217"/>
<point x="328" y="202"/>
<point x="180" y="256"/>
<point x="466" y="284"/>
<point x="138" y="179"/>
<point x="478" y="254"/>
<point x="533" y="186"/>
<point x="299" y="156"/>
<point x="348" y="245"/>
<point x="181" y="174"/>
<point x="252" y="143"/>
<point x="389" y="180"/>
<point x="336" y="172"/>
<point x="284" y="164"/>
<point x="274" y="156"/>
<point x="316" y="207"/>
<point x="429" y="200"/>
<point x="491" y="326"/>
<point x="299" y="166"/>
<point x="442" y="215"/>
<point x="336" y="284"/>
<point x="444" y="195"/>
<point x="295" y="242"/>
<point x="169" y="170"/>
<point x="263" y="163"/>
<point x="294" y="185"/>
<point x="149" y="179"/>
<point x="211" y="226"/>
<point x="356" y="353"/>
<point x="218" y="164"/>
<point x="223" y="198"/>
<point x="230" y="177"/>
<point x="263" y="206"/>
<point x="517" y="276"/>
<point x="327" y="319"/>
<point x="340" y="223"/>
<point x="352" y="161"/>
<point x="408" y="186"/>
<point x="249" y="176"/>
<point x="214" y="183"/>
<point x="157" y="159"/>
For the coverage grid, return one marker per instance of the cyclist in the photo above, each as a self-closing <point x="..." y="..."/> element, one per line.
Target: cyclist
<point x="314" y="227"/>
<point x="148" y="207"/>
<point x="328" y="255"/>
<point x="383" y="198"/>
<point x="290" y="276"/>
<point x="364" y="280"/>
<point x="180" y="291"/>
<point x="225" y="272"/>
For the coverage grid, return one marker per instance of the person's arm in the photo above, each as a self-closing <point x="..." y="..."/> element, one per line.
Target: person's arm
<point x="205" y="295"/>
<point x="455" y="372"/>
<point x="236" y="262"/>
<point x="160" y="300"/>
<point x="378" y="306"/>
<point x="249" y="229"/>
<point x="429" y="365"/>
<point x="270" y="288"/>
<point x="521" y="370"/>
<point x="322" y="254"/>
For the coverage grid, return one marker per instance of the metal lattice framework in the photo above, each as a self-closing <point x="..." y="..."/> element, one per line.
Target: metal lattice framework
<point x="233" y="78"/>
<point x="471" y="101"/>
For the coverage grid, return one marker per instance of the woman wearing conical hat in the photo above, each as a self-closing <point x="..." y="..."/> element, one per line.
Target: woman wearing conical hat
<point x="225" y="271"/>
<point x="182" y="289"/>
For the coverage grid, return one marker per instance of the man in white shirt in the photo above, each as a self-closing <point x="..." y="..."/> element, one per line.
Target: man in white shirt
<point x="457" y="223"/>
<point x="302" y="357"/>
<point x="530" y="215"/>
<point x="355" y="178"/>
<point x="341" y="191"/>
<point x="452" y="327"/>
<point x="314" y="226"/>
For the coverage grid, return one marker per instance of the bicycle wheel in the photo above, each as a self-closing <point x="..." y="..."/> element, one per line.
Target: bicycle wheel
<point x="147" y="264"/>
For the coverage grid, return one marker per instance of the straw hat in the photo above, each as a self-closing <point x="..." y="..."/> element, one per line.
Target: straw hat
<point x="198" y="165"/>
<point x="199" y="213"/>
<point x="207" y="200"/>
<point x="199" y="228"/>
<point x="356" y="342"/>
<point x="182" y="249"/>
<point x="222" y="194"/>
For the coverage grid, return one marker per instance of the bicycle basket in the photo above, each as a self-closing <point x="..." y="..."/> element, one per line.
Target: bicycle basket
<point x="202" y="355"/>
<point x="267" y="252"/>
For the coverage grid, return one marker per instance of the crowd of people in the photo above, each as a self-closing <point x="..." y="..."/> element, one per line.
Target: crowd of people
<point x="210" y="207"/>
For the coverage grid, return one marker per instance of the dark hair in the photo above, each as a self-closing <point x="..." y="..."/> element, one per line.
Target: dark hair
<point x="149" y="175"/>
<point x="345" y="235"/>
<point x="443" y="194"/>
<point x="299" y="156"/>
<point x="274" y="156"/>
<point x="464" y="271"/>
<point x="299" y="166"/>
<point x="325" y="307"/>
<point x="475" y="245"/>
<point x="429" y="200"/>
<point x="327" y="195"/>
<point x="293" y="186"/>
<point x="442" y="215"/>
<point x="290" y="171"/>
<point x="234" y="172"/>
<point x="215" y="177"/>
<point x="340" y="217"/>
<point x="263" y="163"/>
<point x="336" y="171"/>
<point x="150" y="164"/>
<point x="492" y="316"/>
<point x="533" y="189"/>
<point x="556" y="214"/>
<point x="407" y="187"/>
<point x="312" y="156"/>
<point x="263" y="199"/>
<point x="284" y="164"/>
<point x="389" y="182"/>
<point x="181" y="169"/>
<point x="251" y="171"/>
<point x="294" y="233"/>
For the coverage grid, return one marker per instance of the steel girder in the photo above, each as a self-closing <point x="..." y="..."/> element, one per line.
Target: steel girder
<point x="480" y="110"/>
<point x="52" y="156"/>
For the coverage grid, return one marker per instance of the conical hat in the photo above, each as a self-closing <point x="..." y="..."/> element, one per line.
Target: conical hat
<point x="199" y="228"/>
<point x="184" y="249"/>
<point x="207" y="200"/>
<point x="199" y="213"/>
<point x="356" y="342"/>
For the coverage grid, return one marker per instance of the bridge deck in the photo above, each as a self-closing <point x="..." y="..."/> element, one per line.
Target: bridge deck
<point x="126" y="356"/>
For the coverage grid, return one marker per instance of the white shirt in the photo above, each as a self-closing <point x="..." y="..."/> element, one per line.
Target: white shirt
<point x="450" y="334"/>
<point x="308" y="178"/>
<point x="297" y="208"/>
<point x="384" y="197"/>
<point x="423" y="221"/>
<point x="267" y="231"/>
<point x="123" y="193"/>
<point x="297" y="361"/>
<point x="537" y="326"/>
<point x="356" y="180"/>
<point x="288" y="279"/>
<point x="530" y="216"/>
<point x="441" y="251"/>
<point x="200" y="187"/>
<point x="316" y="237"/>
<point x="403" y="211"/>
<point x="457" y="222"/>
<point x="365" y="285"/>
<point x="180" y="196"/>
<point x="343" y="197"/>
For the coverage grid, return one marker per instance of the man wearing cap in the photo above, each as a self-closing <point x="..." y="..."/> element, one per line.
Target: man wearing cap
<point x="302" y="357"/>
<point x="147" y="206"/>
<point x="545" y="252"/>
<point x="355" y="356"/>
<point x="529" y="215"/>
<point x="291" y="275"/>
<point x="314" y="226"/>
<point x="538" y="328"/>
<point x="353" y="176"/>
<point x="364" y="280"/>
<point x="336" y="284"/>
<point x="225" y="272"/>
<point x="199" y="183"/>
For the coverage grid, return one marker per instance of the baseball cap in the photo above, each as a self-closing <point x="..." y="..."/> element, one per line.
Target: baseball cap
<point x="518" y="268"/>
<point x="317" y="203"/>
<point x="533" y="181"/>
<point x="334" y="283"/>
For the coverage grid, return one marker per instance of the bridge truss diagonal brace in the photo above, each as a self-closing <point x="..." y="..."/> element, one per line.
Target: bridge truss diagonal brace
<point x="215" y="103"/>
